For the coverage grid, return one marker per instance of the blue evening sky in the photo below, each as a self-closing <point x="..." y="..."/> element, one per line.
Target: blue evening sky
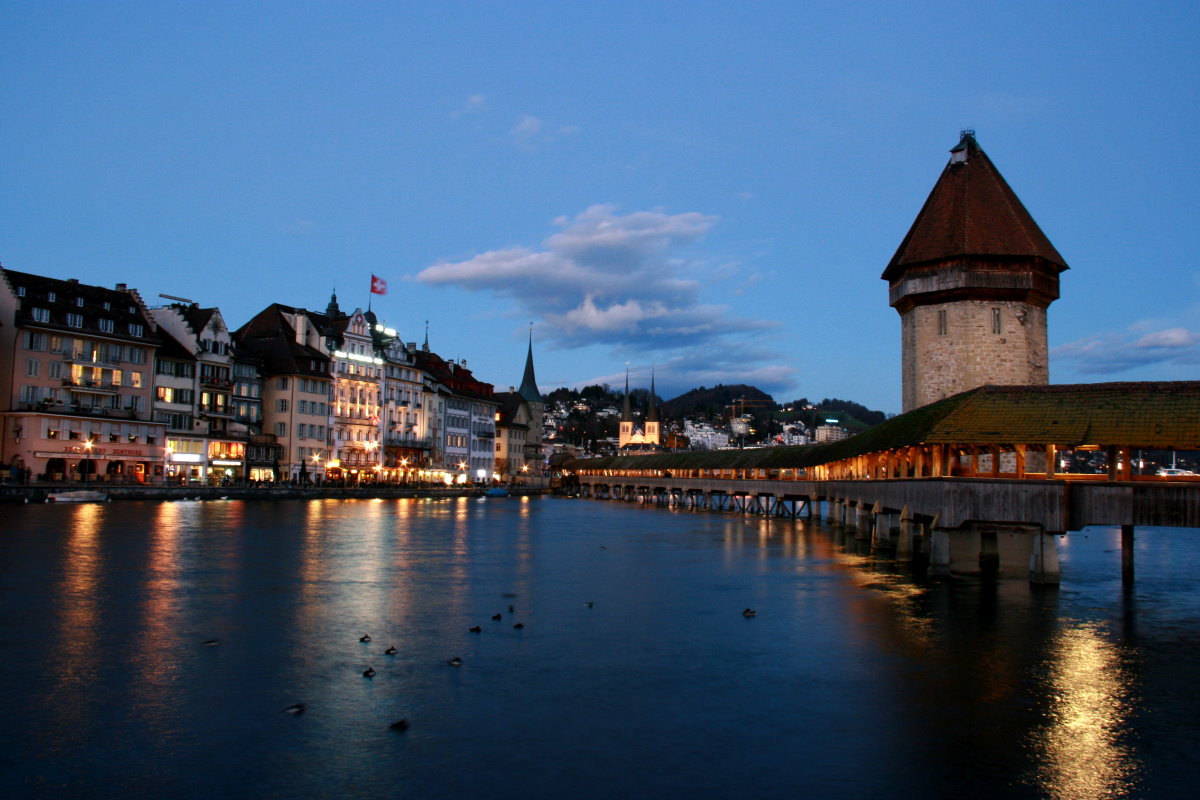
<point x="708" y="189"/>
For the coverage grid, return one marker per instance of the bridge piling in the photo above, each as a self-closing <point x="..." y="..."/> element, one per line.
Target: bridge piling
<point x="939" y="550"/>
<point x="904" y="542"/>
<point x="1043" y="561"/>
<point x="1127" y="554"/>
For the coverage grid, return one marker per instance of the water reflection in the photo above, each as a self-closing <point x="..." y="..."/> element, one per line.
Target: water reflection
<point x="1083" y="749"/>
<point x="854" y="679"/>
<point x="77" y="656"/>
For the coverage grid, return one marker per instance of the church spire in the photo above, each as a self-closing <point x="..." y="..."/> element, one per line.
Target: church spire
<point x="529" y="389"/>
<point x="652" y="411"/>
<point x="627" y="409"/>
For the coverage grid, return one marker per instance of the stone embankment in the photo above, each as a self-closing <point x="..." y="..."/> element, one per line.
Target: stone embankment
<point x="38" y="494"/>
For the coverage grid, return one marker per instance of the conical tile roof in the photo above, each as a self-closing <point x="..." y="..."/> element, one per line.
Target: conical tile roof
<point x="972" y="212"/>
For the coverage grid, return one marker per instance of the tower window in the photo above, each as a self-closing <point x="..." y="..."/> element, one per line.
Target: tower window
<point x="997" y="324"/>
<point x="943" y="326"/>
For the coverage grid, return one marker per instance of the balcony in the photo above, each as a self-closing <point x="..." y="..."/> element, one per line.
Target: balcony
<point x="215" y="382"/>
<point x="80" y="357"/>
<point x="88" y="386"/>
<point x="415" y="442"/>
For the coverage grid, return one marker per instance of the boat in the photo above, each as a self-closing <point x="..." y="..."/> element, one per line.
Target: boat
<point x="496" y="491"/>
<point x="80" y="496"/>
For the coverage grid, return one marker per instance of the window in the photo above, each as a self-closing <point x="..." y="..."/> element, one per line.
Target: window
<point x="281" y="429"/>
<point x="106" y="325"/>
<point x="20" y="291"/>
<point x="35" y="341"/>
<point x="997" y="324"/>
<point x="282" y="383"/>
<point x="56" y="369"/>
<point x="52" y="297"/>
<point x="137" y="329"/>
<point x="79" y="302"/>
<point x="31" y="368"/>
<point x="282" y="405"/>
<point x="75" y="320"/>
<point x="302" y="431"/>
<point x="135" y="355"/>
<point x="41" y="315"/>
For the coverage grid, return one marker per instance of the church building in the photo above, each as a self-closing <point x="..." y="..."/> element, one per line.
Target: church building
<point x="972" y="281"/>
<point x="646" y="439"/>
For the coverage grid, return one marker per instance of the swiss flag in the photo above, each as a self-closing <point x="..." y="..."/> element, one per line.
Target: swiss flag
<point x="378" y="285"/>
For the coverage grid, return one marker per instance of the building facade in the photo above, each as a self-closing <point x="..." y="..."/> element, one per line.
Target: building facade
<point x="77" y="395"/>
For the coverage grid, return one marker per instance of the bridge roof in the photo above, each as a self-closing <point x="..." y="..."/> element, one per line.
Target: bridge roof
<point x="1153" y="415"/>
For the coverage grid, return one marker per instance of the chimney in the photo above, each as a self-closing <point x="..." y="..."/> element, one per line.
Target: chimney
<point x="121" y="287"/>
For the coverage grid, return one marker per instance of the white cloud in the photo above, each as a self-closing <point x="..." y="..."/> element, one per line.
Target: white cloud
<point x="1111" y="353"/>
<point x="474" y="104"/>
<point x="624" y="280"/>
<point x="526" y="129"/>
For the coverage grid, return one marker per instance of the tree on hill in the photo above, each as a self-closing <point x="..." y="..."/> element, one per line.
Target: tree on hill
<point x="714" y="403"/>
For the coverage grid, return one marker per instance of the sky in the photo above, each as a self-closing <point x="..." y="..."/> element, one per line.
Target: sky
<point x="705" y="191"/>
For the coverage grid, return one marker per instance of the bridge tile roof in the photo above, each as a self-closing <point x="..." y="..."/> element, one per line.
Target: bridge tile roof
<point x="1151" y="414"/>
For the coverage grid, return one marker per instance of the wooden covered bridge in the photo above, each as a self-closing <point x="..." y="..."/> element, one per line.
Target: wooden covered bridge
<point x="981" y="481"/>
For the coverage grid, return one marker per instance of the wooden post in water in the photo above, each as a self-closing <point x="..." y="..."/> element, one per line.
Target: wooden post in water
<point x="904" y="542"/>
<point x="1127" y="554"/>
<point x="939" y="549"/>
<point x="1043" y="560"/>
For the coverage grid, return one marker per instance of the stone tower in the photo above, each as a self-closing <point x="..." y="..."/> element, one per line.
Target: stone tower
<point x="652" y="435"/>
<point x="971" y="281"/>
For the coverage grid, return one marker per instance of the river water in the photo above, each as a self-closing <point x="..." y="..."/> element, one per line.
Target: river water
<point x="151" y="649"/>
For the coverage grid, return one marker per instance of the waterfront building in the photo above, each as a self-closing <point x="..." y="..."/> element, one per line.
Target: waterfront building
<point x="293" y="351"/>
<point x="407" y="435"/>
<point x="354" y="403"/>
<point x="520" y="428"/>
<point x="77" y="393"/>
<point x="214" y="449"/>
<point x="465" y="450"/>
<point x="971" y="281"/>
<point x="513" y="432"/>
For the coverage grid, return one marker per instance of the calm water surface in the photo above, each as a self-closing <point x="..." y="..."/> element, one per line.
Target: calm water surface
<point x="853" y="680"/>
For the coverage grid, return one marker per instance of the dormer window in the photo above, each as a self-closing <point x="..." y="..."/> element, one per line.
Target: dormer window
<point x="106" y="325"/>
<point x="75" y="320"/>
<point x="79" y="302"/>
<point x="107" y="306"/>
<point x="20" y="291"/>
<point x="52" y="297"/>
<point x="41" y="315"/>
<point x="137" y="329"/>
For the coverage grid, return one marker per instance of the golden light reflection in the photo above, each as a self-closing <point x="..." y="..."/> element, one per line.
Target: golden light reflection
<point x="79" y="624"/>
<point x="1082" y="754"/>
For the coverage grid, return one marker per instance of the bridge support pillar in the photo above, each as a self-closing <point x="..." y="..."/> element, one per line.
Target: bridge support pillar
<point x="1127" y="554"/>
<point x="904" y="541"/>
<point x="863" y="520"/>
<point x="1043" y="561"/>
<point x="881" y="530"/>
<point x="939" y="552"/>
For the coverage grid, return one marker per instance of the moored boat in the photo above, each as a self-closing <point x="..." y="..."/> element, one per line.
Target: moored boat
<point x="79" y="496"/>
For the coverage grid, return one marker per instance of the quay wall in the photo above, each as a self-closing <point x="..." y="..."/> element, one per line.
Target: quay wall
<point x="37" y="494"/>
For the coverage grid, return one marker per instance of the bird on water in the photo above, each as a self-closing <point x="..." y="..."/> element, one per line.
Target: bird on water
<point x="497" y="617"/>
<point x="391" y="651"/>
<point x="455" y="662"/>
<point x="366" y="637"/>
<point x="369" y="672"/>
<point x="749" y="612"/>
<point x="399" y="725"/>
<point x="475" y="629"/>
<point x="298" y="708"/>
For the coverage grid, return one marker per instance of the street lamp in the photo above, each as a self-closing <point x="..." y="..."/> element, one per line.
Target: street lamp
<point x="87" y="461"/>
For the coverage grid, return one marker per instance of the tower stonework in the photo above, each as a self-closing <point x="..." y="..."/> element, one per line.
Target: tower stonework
<point x="971" y="281"/>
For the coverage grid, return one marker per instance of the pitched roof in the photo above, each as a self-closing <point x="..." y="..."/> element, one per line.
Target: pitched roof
<point x="1159" y="415"/>
<point x="96" y="307"/>
<point x="971" y="212"/>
